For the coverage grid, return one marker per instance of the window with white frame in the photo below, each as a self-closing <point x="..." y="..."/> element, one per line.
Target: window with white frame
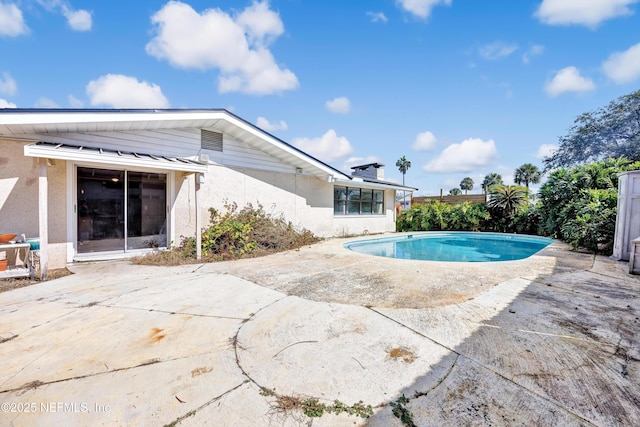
<point x="357" y="201"/>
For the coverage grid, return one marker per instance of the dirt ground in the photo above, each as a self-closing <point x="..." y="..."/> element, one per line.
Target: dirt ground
<point x="21" y="282"/>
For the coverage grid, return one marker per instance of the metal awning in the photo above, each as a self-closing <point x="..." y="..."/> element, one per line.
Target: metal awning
<point x="111" y="157"/>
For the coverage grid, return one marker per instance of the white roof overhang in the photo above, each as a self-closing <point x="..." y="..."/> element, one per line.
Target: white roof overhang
<point x="358" y="182"/>
<point x="29" y="124"/>
<point x="107" y="157"/>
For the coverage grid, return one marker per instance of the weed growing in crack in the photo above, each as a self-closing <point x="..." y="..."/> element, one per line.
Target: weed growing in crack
<point x="401" y="411"/>
<point x="313" y="408"/>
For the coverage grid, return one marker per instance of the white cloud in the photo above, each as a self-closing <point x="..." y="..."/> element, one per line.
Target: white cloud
<point x="261" y="24"/>
<point x="497" y="50"/>
<point x="74" y="102"/>
<point x="421" y="8"/>
<point x="268" y="126"/>
<point x="340" y="105"/>
<point x="8" y="85"/>
<point x="469" y="155"/>
<point x="425" y="141"/>
<point x="568" y="80"/>
<point x="623" y="67"/>
<point x="11" y="21"/>
<point x="119" y="91"/>
<point x="236" y="46"/>
<point x="546" y="150"/>
<point x="328" y="148"/>
<point x="78" y="20"/>
<point x="6" y="104"/>
<point x="46" y="103"/>
<point x="377" y="16"/>
<point x="534" y="50"/>
<point x="581" y="12"/>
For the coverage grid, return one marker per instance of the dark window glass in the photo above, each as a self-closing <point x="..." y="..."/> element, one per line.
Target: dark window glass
<point x="357" y="201"/>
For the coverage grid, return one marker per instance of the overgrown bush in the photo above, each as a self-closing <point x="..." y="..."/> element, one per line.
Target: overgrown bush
<point x="437" y="216"/>
<point x="578" y="205"/>
<point x="238" y="233"/>
<point x="593" y="224"/>
<point x="527" y="220"/>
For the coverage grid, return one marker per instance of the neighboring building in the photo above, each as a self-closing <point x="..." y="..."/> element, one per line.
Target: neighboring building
<point x="96" y="184"/>
<point x="451" y="200"/>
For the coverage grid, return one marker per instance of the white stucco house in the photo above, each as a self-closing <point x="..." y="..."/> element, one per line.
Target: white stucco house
<point x="98" y="184"/>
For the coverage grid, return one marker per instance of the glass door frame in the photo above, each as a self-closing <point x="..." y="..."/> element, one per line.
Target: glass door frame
<point x="75" y="209"/>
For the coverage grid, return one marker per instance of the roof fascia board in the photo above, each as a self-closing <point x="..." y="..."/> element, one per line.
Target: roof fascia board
<point x="105" y="116"/>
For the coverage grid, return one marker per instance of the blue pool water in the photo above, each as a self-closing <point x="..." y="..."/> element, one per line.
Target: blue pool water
<point x="454" y="246"/>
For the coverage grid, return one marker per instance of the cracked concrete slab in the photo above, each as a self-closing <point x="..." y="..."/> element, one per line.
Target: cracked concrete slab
<point x="554" y="342"/>
<point x="214" y="291"/>
<point x="551" y="340"/>
<point x="464" y="399"/>
<point x="98" y="339"/>
<point x="130" y="396"/>
<point x="328" y="272"/>
<point x="336" y="352"/>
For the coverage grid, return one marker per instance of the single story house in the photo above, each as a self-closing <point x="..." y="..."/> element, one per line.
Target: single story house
<point x="104" y="183"/>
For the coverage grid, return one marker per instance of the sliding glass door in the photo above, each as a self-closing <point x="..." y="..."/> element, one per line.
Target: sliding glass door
<point x="146" y="210"/>
<point x="120" y="210"/>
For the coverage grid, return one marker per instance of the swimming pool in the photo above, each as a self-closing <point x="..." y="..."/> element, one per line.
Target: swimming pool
<point x="453" y="246"/>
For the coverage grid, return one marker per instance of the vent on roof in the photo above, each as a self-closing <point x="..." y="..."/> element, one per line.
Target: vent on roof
<point x="210" y="140"/>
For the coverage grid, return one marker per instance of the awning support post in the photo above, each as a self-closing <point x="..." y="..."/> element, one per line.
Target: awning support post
<point x="198" y="218"/>
<point x="43" y="218"/>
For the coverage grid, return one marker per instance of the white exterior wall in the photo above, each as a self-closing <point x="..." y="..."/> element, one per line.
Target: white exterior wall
<point x="305" y="201"/>
<point x="241" y="173"/>
<point x="19" y="199"/>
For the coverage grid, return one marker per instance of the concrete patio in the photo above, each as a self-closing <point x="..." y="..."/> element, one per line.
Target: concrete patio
<point x="552" y="340"/>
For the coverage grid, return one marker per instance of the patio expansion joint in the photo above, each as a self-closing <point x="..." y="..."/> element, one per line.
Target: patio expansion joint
<point x="171" y="312"/>
<point x="566" y="290"/>
<point x="204" y="405"/>
<point x="610" y="276"/>
<point x="482" y="366"/>
<point x="35" y="384"/>
<point x="234" y="343"/>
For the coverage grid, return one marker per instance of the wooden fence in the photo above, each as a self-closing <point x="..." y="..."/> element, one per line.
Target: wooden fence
<point x="451" y="200"/>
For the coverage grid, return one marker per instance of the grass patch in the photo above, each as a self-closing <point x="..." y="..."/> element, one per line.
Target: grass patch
<point x="233" y="234"/>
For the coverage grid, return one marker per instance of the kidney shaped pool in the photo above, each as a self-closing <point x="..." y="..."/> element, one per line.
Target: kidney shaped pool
<point x="453" y="246"/>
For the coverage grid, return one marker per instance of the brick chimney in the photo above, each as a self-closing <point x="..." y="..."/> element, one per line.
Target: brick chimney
<point x="370" y="170"/>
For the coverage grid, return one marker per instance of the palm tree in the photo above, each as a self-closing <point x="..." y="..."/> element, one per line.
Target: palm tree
<point x="466" y="184"/>
<point x="455" y="192"/>
<point x="527" y="174"/>
<point x="507" y="198"/>
<point x="490" y="180"/>
<point x="403" y="166"/>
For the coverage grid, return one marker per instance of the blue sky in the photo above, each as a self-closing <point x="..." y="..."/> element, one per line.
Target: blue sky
<point x="460" y="87"/>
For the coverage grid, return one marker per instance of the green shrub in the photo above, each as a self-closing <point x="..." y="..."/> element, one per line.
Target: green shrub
<point x="437" y="216"/>
<point x="527" y="220"/>
<point x="578" y="205"/>
<point x="592" y="225"/>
